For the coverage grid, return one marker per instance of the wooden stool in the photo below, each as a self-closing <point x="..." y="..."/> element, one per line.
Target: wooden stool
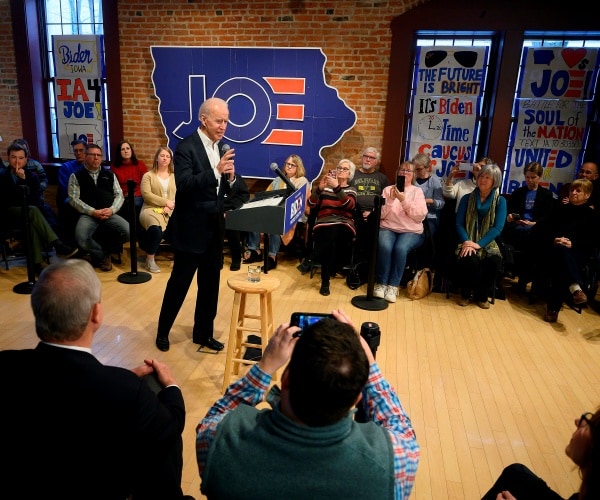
<point x="242" y="287"/>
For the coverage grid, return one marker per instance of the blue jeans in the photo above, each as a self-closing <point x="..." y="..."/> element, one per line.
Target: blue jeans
<point x="274" y="243"/>
<point x="85" y="231"/>
<point x="392" y="252"/>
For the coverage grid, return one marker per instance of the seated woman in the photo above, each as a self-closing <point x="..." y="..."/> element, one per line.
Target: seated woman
<point x="333" y="202"/>
<point x="11" y="201"/>
<point x="126" y="166"/>
<point x="432" y="189"/>
<point x="294" y="171"/>
<point x="517" y="482"/>
<point x="479" y="221"/>
<point x="400" y="231"/>
<point x="571" y="238"/>
<point x="158" y="191"/>
<point x="528" y="206"/>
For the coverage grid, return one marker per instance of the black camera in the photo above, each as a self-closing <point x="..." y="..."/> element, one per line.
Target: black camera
<point x="371" y="333"/>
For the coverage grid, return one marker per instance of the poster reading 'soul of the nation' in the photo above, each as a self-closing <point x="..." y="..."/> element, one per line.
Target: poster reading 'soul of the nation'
<point x="552" y="108"/>
<point x="79" y="93"/>
<point x="448" y="85"/>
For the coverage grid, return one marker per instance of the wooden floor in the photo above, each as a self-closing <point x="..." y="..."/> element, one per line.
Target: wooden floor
<point x="484" y="388"/>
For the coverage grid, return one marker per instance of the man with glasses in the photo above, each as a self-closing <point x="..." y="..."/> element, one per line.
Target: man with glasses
<point x="96" y="194"/>
<point x="369" y="182"/>
<point x="67" y="216"/>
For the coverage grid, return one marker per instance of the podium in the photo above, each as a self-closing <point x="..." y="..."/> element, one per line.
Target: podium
<point x="267" y="214"/>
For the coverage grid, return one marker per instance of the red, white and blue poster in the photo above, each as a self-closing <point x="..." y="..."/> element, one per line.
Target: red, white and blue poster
<point x="553" y="105"/>
<point x="279" y="102"/>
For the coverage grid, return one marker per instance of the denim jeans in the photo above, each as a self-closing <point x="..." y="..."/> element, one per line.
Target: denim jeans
<point x="85" y="231"/>
<point x="274" y="243"/>
<point x="392" y="252"/>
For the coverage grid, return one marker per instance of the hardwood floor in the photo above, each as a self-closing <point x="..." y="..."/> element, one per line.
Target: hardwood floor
<point x="484" y="388"/>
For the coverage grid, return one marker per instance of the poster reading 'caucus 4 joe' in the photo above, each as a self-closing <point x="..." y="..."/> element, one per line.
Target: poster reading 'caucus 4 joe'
<point x="554" y="100"/>
<point x="449" y="84"/>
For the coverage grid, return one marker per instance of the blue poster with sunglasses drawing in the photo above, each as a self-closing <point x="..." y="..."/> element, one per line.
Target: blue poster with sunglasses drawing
<point x="279" y="102"/>
<point x="449" y="84"/>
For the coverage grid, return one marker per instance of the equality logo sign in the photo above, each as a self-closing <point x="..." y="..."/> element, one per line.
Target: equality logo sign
<point x="279" y="102"/>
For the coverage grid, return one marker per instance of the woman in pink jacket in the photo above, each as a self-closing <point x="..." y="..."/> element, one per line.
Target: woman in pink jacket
<point x="400" y="231"/>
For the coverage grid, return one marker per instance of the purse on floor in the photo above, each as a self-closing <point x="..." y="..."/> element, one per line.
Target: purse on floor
<point x="421" y="284"/>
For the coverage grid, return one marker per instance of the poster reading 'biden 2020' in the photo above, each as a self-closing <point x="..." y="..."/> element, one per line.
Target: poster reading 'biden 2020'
<point x="448" y="84"/>
<point x="279" y="102"/>
<point x="79" y="92"/>
<point x="553" y="105"/>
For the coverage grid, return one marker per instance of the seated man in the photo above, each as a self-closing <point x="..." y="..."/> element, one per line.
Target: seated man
<point x="309" y="445"/>
<point x="67" y="215"/>
<point x="95" y="193"/>
<point x="105" y="433"/>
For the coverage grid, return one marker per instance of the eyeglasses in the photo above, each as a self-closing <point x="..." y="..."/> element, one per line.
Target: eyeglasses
<point x="290" y="165"/>
<point x="587" y="172"/>
<point x="97" y="155"/>
<point x="586" y="417"/>
<point x="405" y="171"/>
<point x="342" y="169"/>
<point x="370" y="158"/>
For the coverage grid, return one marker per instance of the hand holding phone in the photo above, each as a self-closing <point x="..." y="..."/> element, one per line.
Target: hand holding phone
<point x="400" y="179"/>
<point x="465" y="167"/>
<point x="515" y="217"/>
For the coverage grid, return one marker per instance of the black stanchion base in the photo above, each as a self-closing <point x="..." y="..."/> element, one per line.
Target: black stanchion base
<point x="134" y="278"/>
<point x="24" y="288"/>
<point x="369" y="304"/>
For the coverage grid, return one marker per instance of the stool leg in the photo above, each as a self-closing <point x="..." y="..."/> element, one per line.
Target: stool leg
<point x="266" y="307"/>
<point x="241" y="318"/>
<point x="232" y="344"/>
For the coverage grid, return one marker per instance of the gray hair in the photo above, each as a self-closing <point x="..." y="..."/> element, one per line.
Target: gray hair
<point x="374" y="151"/>
<point x="351" y="165"/>
<point x="492" y="170"/>
<point x="422" y="159"/>
<point x="63" y="298"/>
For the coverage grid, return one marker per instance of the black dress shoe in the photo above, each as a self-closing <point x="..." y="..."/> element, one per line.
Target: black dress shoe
<point x="234" y="266"/>
<point x="162" y="343"/>
<point x="271" y="263"/>
<point x="324" y="290"/>
<point x="211" y="343"/>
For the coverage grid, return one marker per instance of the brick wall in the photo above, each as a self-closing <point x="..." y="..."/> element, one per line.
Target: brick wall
<point x="354" y="35"/>
<point x="10" y="124"/>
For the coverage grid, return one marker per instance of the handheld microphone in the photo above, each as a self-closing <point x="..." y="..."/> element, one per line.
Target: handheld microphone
<point x="283" y="177"/>
<point x="224" y="148"/>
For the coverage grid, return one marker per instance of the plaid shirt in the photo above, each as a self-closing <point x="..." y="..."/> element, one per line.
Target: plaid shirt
<point x="381" y="406"/>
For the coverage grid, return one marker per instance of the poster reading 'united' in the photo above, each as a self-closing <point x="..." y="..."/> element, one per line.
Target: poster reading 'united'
<point x="554" y="100"/>
<point x="79" y="93"/>
<point x="449" y="83"/>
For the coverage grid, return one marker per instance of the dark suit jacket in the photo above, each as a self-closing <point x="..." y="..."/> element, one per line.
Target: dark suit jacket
<point x="542" y="208"/>
<point x="72" y="428"/>
<point x="196" y="219"/>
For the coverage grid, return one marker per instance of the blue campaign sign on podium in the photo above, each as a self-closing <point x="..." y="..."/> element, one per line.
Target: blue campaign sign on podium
<point x="294" y="208"/>
<point x="278" y="100"/>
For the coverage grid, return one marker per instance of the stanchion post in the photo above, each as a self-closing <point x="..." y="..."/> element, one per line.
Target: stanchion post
<point x="27" y="286"/>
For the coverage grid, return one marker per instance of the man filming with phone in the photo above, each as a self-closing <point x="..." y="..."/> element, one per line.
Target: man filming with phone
<point x="309" y="445"/>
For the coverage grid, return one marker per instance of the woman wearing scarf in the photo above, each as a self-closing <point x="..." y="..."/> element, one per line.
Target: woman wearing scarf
<point x="479" y="221"/>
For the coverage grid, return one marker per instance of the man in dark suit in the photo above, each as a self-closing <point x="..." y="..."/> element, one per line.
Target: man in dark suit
<point x="74" y="428"/>
<point x="204" y="173"/>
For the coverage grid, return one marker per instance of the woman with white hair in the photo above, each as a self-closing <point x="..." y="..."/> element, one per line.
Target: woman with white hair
<point x="479" y="221"/>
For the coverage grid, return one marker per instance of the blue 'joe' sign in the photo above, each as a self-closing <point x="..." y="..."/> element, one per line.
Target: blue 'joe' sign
<point x="279" y="102"/>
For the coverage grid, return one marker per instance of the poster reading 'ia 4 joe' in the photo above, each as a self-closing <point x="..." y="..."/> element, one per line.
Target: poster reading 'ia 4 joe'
<point x="554" y="100"/>
<point x="79" y="92"/>
<point x="449" y="83"/>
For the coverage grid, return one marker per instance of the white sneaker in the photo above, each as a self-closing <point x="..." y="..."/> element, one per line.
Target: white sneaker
<point x="152" y="267"/>
<point x="390" y="293"/>
<point x="379" y="291"/>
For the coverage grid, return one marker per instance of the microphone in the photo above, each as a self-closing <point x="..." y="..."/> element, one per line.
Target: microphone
<point x="224" y="148"/>
<point x="283" y="177"/>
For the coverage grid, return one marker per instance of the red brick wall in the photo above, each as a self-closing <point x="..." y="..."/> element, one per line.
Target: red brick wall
<point x="354" y="35"/>
<point x="10" y="124"/>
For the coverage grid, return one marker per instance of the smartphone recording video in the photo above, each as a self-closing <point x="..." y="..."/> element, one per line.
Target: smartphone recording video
<point x="400" y="183"/>
<point x="304" y="319"/>
<point x="465" y="167"/>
